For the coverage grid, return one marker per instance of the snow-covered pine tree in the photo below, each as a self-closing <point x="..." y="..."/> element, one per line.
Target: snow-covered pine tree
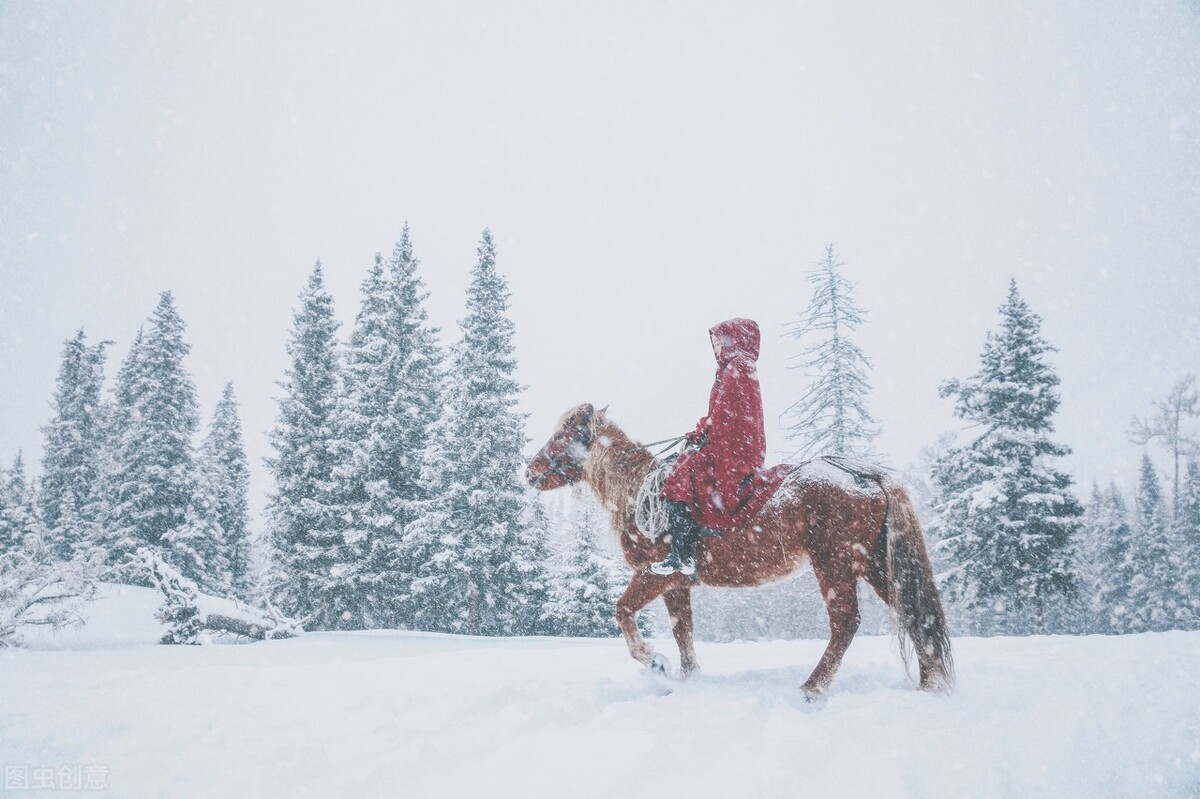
<point x="1187" y="539"/>
<point x="1156" y="598"/>
<point x="417" y="406"/>
<point x="831" y="418"/>
<point x="1114" y="579"/>
<point x="225" y="485"/>
<point x="435" y="542"/>
<point x="155" y="465"/>
<point x="116" y="535"/>
<point x="70" y="489"/>
<point x="419" y="401"/>
<point x="370" y="531"/>
<point x="581" y="591"/>
<point x="392" y="397"/>
<point x="316" y="571"/>
<point x="18" y="515"/>
<point x="484" y="540"/>
<point x="1006" y="516"/>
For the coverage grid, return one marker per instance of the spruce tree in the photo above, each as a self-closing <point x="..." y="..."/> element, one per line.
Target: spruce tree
<point x="1007" y="516"/>
<point x="831" y="418"/>
<point x="225" y="483"/>
<point x="360" y="486"/>
<point x="70" y="494"/>
<point x="18" y="516"/>
<point x="416" y="404"/>
<point x="419" y="400"/>
<point x="1155" y="596"/>
<point x="581" y="590"/>
<point x="484" y="562"/>
<point x="155" y="468"/>
<point x="1187" y="538"/>
<point x="1115" y="590"/>
<point x="316" y="571"/>
<point x="435" y="542"/>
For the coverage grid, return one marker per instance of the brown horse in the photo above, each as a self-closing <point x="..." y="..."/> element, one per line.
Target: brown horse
<point x="846" y="529"/>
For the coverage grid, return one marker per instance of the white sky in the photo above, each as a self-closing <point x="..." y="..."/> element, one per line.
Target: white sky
<point x="648" y="169"/>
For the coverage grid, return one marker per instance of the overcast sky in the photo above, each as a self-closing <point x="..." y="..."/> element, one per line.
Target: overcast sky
<point x="648" y="169"/>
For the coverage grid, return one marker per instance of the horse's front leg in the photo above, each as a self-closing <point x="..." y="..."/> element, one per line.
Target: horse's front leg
<point x="643" y="589"/>
<point x="679" y="610"/>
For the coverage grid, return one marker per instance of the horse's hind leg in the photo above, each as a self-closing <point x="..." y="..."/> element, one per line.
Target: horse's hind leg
<point x="679" y="609"/>
<point x="839" y="590"/>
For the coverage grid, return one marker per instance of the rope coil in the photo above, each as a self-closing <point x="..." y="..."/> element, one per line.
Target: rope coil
<point x="651" y="509"/>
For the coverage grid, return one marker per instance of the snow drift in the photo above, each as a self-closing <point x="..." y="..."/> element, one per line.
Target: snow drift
<point x="409" y="714"/>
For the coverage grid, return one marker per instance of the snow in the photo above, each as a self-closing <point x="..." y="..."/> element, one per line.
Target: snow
<point x="396" y="713"/>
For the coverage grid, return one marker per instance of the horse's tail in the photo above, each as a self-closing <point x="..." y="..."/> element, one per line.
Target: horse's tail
<point x="912" y="592"/>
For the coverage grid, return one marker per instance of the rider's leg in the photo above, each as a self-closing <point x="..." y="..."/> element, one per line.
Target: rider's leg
<point x="684" y="535"/>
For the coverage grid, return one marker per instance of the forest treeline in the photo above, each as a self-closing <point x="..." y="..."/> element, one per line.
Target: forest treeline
<point x="397" y="499"/>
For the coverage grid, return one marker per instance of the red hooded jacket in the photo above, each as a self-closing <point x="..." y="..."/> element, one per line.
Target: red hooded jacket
<point x="722" y="482"/>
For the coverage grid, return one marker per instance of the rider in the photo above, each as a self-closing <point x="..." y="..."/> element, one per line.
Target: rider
<point x="713" y="477"/>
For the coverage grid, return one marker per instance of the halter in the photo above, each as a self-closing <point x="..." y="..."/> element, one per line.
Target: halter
<point x="574" y="454"/>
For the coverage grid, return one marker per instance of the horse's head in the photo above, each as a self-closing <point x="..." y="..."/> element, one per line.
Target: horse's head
<point x="560" y="461"/>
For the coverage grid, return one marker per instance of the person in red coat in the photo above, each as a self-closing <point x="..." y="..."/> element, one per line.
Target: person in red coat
<point x="714" y="481"/>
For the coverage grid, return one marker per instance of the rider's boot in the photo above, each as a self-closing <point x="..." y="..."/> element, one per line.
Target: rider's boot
<point x="684" y="535"/>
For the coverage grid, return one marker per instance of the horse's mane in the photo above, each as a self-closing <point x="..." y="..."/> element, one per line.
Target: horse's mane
<point x="615" y="468"/>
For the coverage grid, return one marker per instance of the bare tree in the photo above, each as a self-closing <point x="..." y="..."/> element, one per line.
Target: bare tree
<point x="1168" y="425"/>
<point x="832" y="416"/>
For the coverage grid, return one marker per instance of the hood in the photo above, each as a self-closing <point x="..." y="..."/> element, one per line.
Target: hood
<point x="737" y="337"/>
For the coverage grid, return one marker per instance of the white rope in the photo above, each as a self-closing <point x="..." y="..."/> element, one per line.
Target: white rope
<point x="650" y="512"/>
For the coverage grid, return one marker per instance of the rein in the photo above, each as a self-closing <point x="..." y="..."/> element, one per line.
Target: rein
<point x="670" y="445"/>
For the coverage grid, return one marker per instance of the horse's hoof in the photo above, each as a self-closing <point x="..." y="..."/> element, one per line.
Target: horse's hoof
<point x="660" y="665"/>
<point x="812" y="695"/>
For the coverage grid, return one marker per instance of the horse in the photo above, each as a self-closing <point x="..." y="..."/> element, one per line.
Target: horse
<point x="846" y="526"/>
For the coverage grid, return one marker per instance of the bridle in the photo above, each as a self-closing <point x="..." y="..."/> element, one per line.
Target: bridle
<point x="572" y="455"/>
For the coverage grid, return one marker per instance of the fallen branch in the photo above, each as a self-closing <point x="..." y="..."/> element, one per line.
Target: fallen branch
<point x="186" y="618"/>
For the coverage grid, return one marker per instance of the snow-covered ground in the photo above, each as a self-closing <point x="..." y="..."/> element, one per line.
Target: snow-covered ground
<point x="404" y="714"/>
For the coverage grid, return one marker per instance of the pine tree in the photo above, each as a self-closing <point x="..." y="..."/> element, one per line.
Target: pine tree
<point x="316" y="568"/>
<point x="18" y="516"/>
<point x="418" y="404"/>
<point x="483" y="562"/>
<point x="832" y="417"/>
<point x="435" y="542"/>
<point x="156" y="498"/>
<point x="1155" y="596"/>
<point x="419" y="400"/>
<point x="581" y="600"/>
<point x="1187" y="538"/>
<point x="1007" y="516"/>
<point x="225" y="485"/>
<point x="391" y="399"/>
<point x="360" y="479"/>
<point x="70" y="487"/>
<point x="1116" y="581"/>
<point x="117" y="533"/>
